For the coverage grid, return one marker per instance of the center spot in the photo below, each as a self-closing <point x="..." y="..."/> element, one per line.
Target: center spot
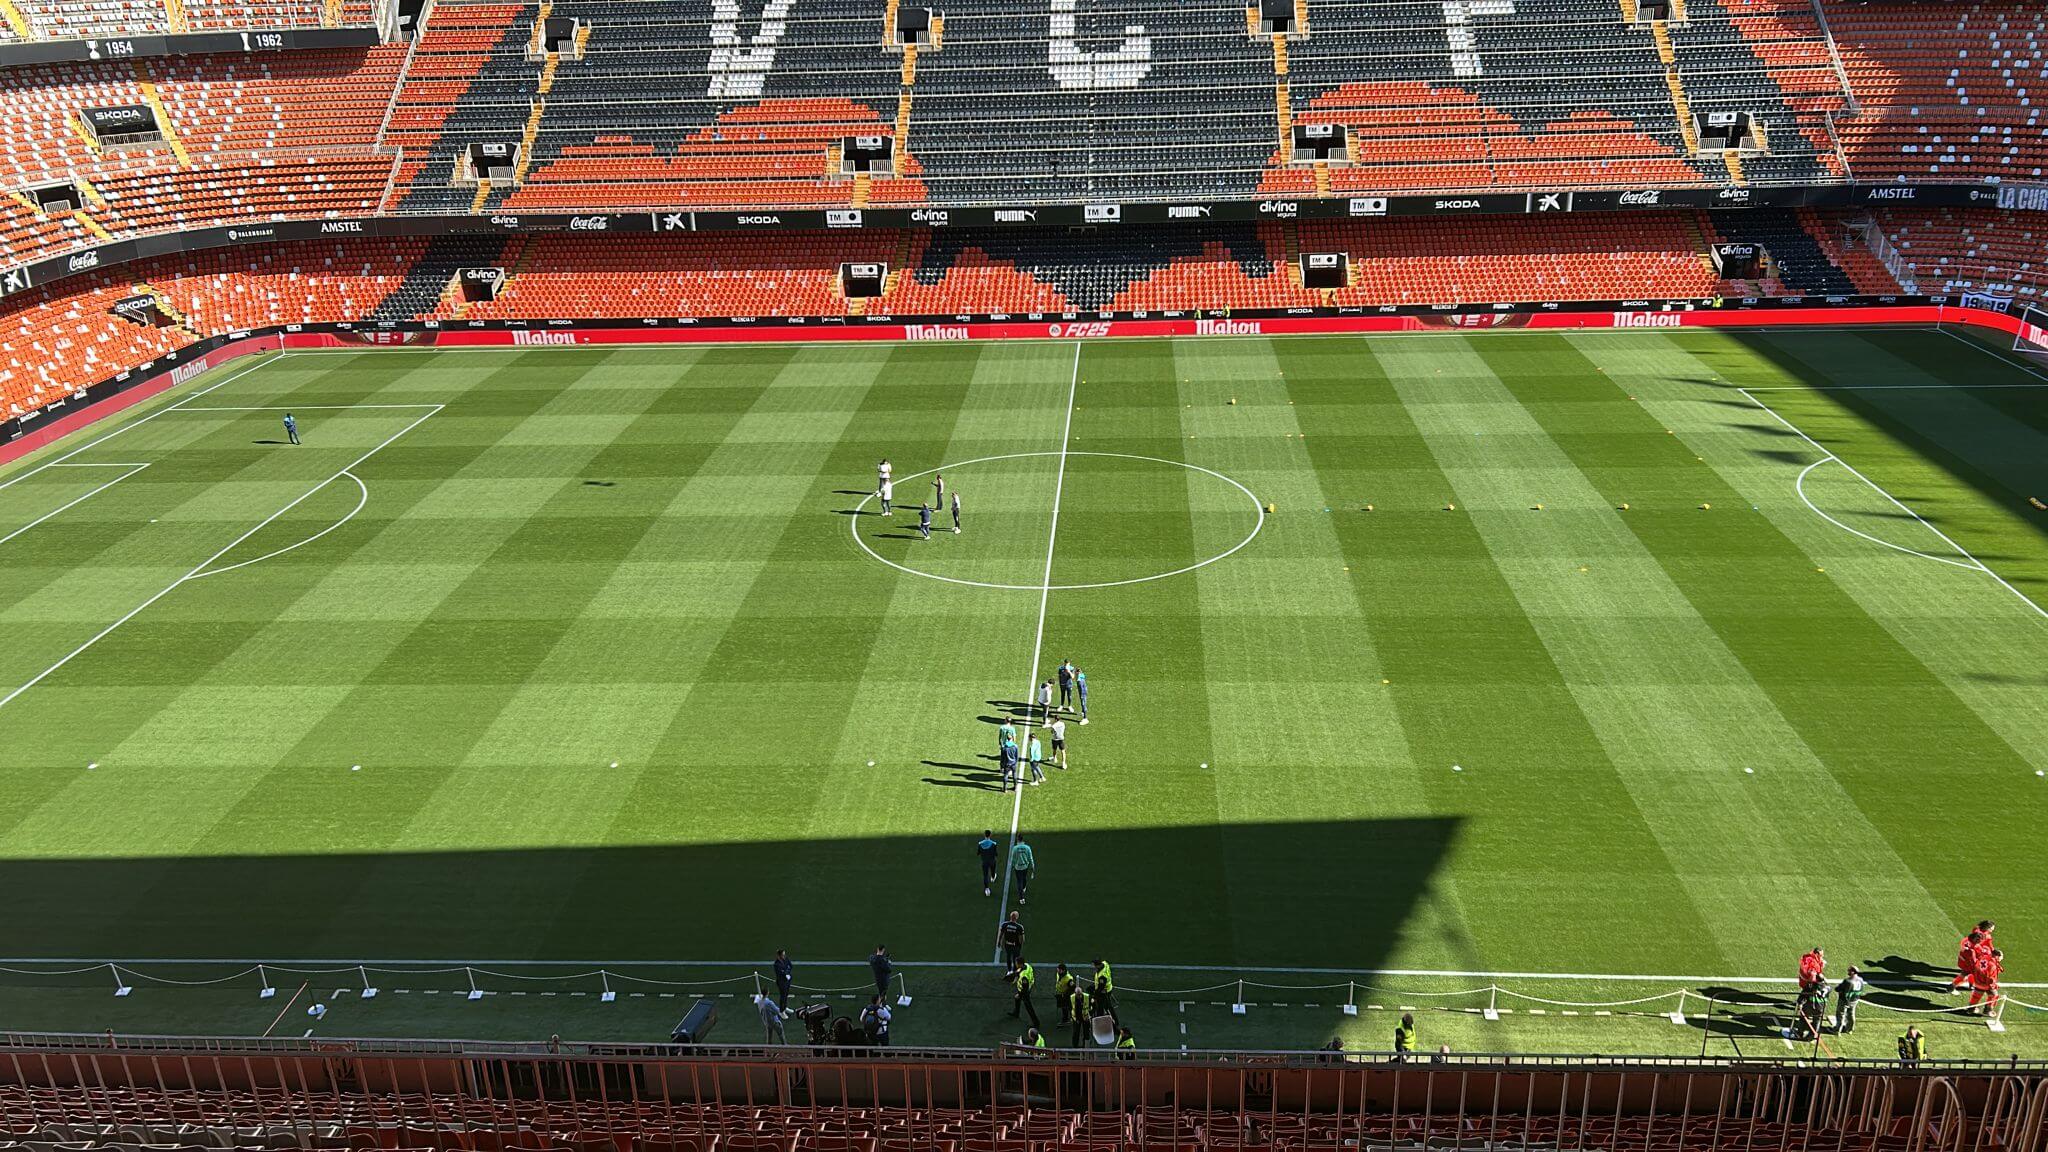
<point x="1122" y="519"/>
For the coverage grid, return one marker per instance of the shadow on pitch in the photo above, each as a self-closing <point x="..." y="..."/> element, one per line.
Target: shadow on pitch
<point x="1938" y="357"/>
<point x="716" y="887"/>
<point x="966" y="776"/>
<point x="1893" y="969"/>
<point x="1782" y="456"/>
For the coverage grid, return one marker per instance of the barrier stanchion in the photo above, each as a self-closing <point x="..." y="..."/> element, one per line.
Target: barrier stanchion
<point x="1237" y="1007"/>
<point x="121" y="987"/>
<point x="475" y="993"/>
<point x="1351" y="997"/>
<point x="369" y="991"/>
<point x="1678" y="1013"/>
<point x="1492" y="1002"/>
<point x="605" y="978"/>
<point x="902" y="990"/>
<point x="264" y="976"/>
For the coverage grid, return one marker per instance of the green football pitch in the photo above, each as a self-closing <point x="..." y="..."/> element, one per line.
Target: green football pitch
<point x="1579" y="668"/>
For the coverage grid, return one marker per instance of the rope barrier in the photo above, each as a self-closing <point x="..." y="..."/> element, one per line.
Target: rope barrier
<point x="125" y="973"/>
<point x="1602" y="1004"/>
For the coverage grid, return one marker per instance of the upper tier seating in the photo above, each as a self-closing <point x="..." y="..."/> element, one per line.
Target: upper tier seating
<point x="662" y="105"/>
<point x="1128" y="99"/>
<point x="1947" y="89"/>
<point x="79" y="19"/>
<point x="262" y="137"/>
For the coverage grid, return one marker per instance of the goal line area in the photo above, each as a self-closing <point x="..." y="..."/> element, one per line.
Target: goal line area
<point x="2031" y="341"/>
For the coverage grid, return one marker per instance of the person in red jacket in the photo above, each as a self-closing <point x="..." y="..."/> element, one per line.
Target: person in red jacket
<point x="1984" y="982"/>
<point x="1812" y="968"/>
<point x="1967" y="952"/>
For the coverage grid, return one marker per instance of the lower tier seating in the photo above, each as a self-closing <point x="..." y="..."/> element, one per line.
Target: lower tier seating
<point x="1973" y="250"/>
<point x="61" y="337"/>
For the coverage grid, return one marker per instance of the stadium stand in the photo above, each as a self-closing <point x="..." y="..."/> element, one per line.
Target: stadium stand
<point x="955" y="1101"/>
<point x="654" y="103"/>
<point x="1972" y="250"/>
<point x="1796" y="254"/>
<point x="1945" y="88"/>
<point x="76" y="19"/>
<point x="468" y="83"/>
<point x="251" y="138"/>
<point x="64" y="336"/>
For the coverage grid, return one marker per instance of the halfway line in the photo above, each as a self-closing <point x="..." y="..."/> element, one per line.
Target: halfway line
<point x="1038" y="642"/>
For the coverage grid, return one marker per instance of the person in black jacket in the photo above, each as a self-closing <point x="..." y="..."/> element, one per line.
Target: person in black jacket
<point x="785" y="972"/>
<point x="883" y="968"/>
<point x="1010" y="934"/>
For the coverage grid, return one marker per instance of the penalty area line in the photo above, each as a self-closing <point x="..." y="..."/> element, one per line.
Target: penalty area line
<point x="132" y="470"/>
<point x="1895" y="502"/>
<point x="200" y="569"/>
<point x="230" y="378"/>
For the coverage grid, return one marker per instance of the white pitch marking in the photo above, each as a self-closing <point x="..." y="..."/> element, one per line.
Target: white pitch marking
<point x="135" y="424"/>
<point x="1257" y="524"/>
<point x="300" y="407"/>
<point x="1052" y="536"/>
<point x="2029" y="369"/>
<point x="133" y="469"/>
<point x="360" y="504"/>
<point x="287" y="964"/>
<point x="84" y="464"/>
<point x="1895" y="387"/>
<point x="1896" y="503"/>
<point x="202" y="566"/>
<point x="1799" y="486"/>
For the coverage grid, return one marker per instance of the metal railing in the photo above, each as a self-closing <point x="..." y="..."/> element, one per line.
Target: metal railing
<point x="492" y="1095"/>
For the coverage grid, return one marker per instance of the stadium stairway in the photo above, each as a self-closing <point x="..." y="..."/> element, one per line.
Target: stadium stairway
<point x="470" y="83"/>
<point x="1802" y="264"/>
<point x="426" y="282"/>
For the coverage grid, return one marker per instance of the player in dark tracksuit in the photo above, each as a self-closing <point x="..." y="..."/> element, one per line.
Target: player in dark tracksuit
<point x="924" y="520"/>
<point x="991" y="856"/>
<point x="291" y="428"/>
<point x="785" y="974"/>
<point x="1010" y="935"/>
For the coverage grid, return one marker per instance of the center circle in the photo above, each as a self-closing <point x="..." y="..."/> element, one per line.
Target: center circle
<point x="909" y="492"/>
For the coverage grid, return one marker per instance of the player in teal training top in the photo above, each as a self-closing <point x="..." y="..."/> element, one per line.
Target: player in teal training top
<point x="1023" y="866"/>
